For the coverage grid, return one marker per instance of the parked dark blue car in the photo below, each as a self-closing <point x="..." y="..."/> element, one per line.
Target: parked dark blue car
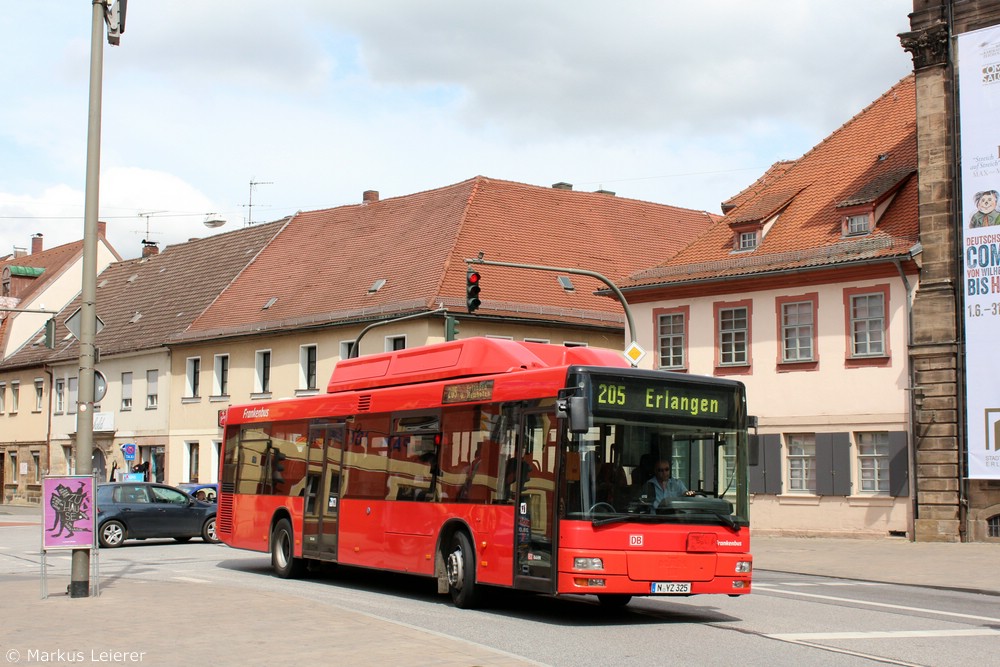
<point x="140" y="510"/>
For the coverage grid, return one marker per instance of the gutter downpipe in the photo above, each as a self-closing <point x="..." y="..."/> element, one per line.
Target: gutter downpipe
<point x="913" y="389"/>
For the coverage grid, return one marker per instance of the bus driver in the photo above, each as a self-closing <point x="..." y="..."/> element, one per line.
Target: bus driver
<point x="662" y="485"/>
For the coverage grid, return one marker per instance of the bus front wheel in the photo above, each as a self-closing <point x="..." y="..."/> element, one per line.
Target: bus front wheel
<point x="461" y="568"/>
<point x="283" y="561"/>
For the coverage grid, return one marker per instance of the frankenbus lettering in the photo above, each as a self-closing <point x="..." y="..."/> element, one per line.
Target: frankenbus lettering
<point x="255" y="413"/>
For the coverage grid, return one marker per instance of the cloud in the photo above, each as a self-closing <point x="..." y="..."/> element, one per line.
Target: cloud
<point x="680" y="103"/>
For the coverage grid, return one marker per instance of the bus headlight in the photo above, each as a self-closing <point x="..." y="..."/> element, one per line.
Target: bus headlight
<point x="588" y="564"/>
<point x="743" y="566"/>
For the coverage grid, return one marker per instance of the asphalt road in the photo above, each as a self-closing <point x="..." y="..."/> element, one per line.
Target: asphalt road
<point x="789" y="619"/>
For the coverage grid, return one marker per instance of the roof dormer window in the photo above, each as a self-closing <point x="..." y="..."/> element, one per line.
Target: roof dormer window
<point x="857" y="224"/>
<point x="748" y="240"/>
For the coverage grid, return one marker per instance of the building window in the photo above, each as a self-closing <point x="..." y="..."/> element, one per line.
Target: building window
<point x="867" y="319"/>
<point x="801" y="463"/>
<point x="193" y="462"/>
<point x="36" y="460"/>
<point x="70" y="463"/>
<point x="797" y="322"/>
<point x="152" y="389"/>
<point x="307" y="367"/>
<point x="857" y="224"/>
<point x="193" y="377"/>
<point x="346" y="348"/>
<point x="3" y="397"/>
<point x="393" y="343"/>
<point x="873" y="462"/>
<point x="671" y="335"/>
<point x="72" y="388"/>
<point x="993" y="526"/>
<point x="262" y="379"/>
<point x="220" y="386"/>
<point x="15" y="396"/>
<point x="39" y="395"/>
<point x="14" y="474"/>
<point x="126" y="392"/>
<point x="748" y="240"/>
<point x="733" y="326"/>
<point x="60" y="396"/>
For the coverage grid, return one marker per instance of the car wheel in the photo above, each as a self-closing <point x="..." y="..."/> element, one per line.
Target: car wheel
<point x="112" y="534"/>
<point x="283" y="562"/>
<point x="208" y="531"/>
<point x="182" y="540"/>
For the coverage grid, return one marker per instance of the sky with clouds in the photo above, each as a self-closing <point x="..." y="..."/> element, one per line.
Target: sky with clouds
<point x="316" y="101"/>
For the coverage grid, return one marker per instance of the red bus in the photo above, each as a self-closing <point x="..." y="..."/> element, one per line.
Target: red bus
<point x="487" y="462"/>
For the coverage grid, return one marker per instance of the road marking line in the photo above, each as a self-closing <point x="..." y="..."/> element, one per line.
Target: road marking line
<point x="193" y="580"/>
<point x="923" y="610"/>
<point x="879" y="634"/>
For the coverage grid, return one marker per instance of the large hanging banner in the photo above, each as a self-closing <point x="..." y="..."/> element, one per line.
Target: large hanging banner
<point x="979" y="103"/>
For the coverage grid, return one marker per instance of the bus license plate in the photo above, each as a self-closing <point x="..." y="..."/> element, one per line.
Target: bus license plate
<point x="670" y="587"/>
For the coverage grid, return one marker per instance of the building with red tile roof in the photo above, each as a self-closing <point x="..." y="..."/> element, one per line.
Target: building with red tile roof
<point x="803" y="291"/>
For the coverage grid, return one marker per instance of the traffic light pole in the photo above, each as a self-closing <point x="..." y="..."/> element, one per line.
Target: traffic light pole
<point x="357" y="341"/>
<point x="579" y="272"/>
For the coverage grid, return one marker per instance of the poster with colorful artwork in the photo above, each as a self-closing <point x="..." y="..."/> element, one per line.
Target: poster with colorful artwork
<point x="979" y="109"/>
<point x="68" y="512"/>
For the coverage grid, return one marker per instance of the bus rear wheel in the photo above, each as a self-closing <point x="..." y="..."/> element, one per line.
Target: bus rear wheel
<point x="460" y="564"/>
<point x="283" y="561"/>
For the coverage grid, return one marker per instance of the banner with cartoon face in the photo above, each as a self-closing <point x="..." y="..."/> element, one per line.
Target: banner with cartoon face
<point x="979" y="102"/>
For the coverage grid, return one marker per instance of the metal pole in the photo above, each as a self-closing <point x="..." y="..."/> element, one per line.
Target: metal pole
<point x="80" y="575"/>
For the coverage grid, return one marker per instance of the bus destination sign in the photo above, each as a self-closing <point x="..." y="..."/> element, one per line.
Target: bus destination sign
<point x="654" y="397"/>
<point x="468" y="392"/>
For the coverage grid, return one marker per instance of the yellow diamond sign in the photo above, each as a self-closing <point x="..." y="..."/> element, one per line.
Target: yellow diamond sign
<point x="634" y="353"/>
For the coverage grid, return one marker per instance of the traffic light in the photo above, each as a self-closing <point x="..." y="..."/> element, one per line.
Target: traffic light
<point x="472" y="290"/>
<point x="50" y="333"/>
<point x="450" y="328"/>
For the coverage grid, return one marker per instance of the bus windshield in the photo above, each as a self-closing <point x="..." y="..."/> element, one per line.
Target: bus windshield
<point x="658" y="448"/>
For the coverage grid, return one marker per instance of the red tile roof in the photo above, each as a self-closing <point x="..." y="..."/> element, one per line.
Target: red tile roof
<point x="869" y="158"/>
<point x="143" y="301"/>
<point x="320" y="267"/>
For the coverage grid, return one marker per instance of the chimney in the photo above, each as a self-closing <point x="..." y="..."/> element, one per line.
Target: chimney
<point x="602" y="191"/>
<point x="369" y="196"/>
<point x="20" y="252"/>
<point x="36" y="244"/>
<point x="149" y="249"/>
<point x="562" y="185"/>
<point x="102" y="229"/>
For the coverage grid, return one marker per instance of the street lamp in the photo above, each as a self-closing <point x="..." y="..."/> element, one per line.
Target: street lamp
<point x="114" y="16"/>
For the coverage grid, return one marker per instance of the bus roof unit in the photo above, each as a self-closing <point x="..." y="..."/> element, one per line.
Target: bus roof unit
<point x="457" y="359"/>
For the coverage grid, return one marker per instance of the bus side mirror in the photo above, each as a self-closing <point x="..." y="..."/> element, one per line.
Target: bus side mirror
<point x="574" y="408"/>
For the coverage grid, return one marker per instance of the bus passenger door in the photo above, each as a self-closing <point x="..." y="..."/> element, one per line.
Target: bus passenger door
<point x="322" y="491"/>
<point x="534" y="506"/>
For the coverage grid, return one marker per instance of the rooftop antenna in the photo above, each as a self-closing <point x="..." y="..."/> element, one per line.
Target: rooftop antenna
<point x="250" y="204"/>
<point x="148" y="215"/>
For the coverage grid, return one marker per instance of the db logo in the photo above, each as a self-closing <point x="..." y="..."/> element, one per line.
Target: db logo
<point x="635" y="540"/>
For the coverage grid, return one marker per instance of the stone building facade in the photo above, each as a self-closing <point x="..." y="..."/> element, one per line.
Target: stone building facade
<point x="949" y="506"/>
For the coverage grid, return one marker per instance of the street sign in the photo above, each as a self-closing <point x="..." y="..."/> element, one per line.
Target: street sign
<point x="100" y="386"/>
<point x="73" y="323"/>
<point x="128" y="451"/>
<point x="634" y="353"/>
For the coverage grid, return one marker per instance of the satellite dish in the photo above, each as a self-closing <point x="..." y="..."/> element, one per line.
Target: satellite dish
<point x="214" y="221"/>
